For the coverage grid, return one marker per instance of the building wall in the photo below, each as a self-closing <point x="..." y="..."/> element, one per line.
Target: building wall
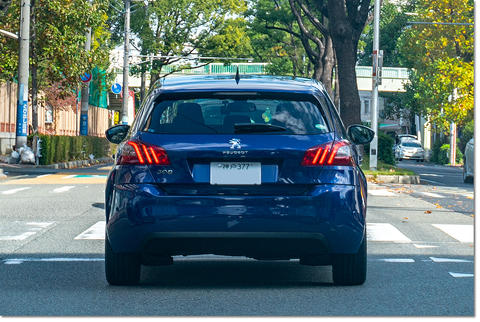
<point x="60" y="122"/>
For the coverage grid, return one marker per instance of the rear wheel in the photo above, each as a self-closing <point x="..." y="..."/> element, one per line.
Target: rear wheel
<point x="466" y="178"/>
<point x="121" y="268"/>
<point x="351" y="269"/>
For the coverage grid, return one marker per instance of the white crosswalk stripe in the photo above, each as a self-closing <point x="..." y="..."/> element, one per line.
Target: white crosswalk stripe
<point x="97" y="231"/>
<point x="462" y="233"/>
<point x="385" y="233"/>
<point x="380" y="193"/>
<point x="376" y="232"/>
<point x="63" y="189"/>
<point x="20" y="230"/>
<point x="12" y="191"/>
<point x="431" y="194"/>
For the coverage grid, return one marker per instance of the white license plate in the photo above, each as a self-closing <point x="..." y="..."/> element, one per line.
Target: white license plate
<point x="235" y="173"/>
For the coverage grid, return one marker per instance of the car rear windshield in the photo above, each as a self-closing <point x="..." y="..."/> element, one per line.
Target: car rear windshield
<point x="412" y="144"/>
<point x="228" y="115"/>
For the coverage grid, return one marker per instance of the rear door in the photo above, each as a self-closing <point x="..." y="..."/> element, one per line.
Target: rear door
<point x="231" y="145"/>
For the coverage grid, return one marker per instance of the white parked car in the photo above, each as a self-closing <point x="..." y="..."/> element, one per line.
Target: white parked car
<point x="409" y="149"/>
<point x="468" y="162"/>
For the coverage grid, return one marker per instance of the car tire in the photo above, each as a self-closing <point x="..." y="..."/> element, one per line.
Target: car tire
<point x="121" y="268"/>
<point x="351" y="269"/>
<point x="400" y="159"/>
<point x="466" y="179"/>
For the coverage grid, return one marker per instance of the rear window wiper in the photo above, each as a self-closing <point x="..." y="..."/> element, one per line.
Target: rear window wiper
<point x="257" y="127"/>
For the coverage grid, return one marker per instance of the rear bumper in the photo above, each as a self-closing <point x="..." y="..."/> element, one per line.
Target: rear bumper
<point x="144" y="219"/>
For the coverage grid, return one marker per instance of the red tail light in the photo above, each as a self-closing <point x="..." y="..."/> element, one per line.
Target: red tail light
<point x="332" y="153"/>
<point x="135" y="152"/>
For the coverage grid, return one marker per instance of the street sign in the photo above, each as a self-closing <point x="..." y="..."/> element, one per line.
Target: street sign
<point x="85" y="78"/>
<point x="116" y="88"/>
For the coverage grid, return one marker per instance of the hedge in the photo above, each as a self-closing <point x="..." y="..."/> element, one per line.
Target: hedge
<point x="384" y="148"/>
<point x="68" y="148"/>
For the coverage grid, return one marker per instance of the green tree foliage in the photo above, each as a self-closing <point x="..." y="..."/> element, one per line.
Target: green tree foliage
<point x="441" y="85"/>
<point x="231" y="41"/>
<point x="393" y="20"/>
<point x="58" y="37"/>
<point x="273" y="31"/>
<point x="177" y="29"/>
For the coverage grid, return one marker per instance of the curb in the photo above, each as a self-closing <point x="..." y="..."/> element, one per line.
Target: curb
<point x="76" y="163"/>
<point x="61" y="165"/>
<point x="393" y="179"/>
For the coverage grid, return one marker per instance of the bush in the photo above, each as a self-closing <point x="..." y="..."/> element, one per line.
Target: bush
<point x="385" y="148"/>
<point x="68" y="148"/>
<point x="444" y="152"/>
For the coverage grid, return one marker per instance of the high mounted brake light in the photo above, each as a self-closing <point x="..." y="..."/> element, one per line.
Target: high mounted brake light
<point x="332" y="153"/>
<point x="138" y="153"/>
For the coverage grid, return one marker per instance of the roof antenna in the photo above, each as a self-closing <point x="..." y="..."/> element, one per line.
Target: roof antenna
<point x="237" y="76"/>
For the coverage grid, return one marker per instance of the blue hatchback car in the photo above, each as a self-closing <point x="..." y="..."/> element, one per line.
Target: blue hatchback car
<point x="259" y="167"/>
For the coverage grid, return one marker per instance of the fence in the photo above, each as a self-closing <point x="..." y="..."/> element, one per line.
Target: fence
<point x="59" y="122"/>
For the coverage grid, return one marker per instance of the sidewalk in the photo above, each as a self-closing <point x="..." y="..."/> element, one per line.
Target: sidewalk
<point x="6" y="168"/>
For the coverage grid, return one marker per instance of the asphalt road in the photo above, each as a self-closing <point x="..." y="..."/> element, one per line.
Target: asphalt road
<point x="51" y="263"/>
<point x="442" y="186"/>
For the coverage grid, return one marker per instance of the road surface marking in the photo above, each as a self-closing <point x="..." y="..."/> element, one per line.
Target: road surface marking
<point x="380" y="193"/>
<point x="44" y="175"/>
<point x="460" y="274"/>
<point x="385" y="232"/>
<point x="462" y="233"/>
<point x="449" y="260"/>
<point x="22" y="230"/>
<point x="16" y="261"/>
<point x="63" y="189"/>
<point x="12" y="191"/>
<point x="397" y="260"/>
<point x="431" y="194"/>
<point x="97" y="231"/>
<point x="424" y="246"/>
<point x="431" y="175"/>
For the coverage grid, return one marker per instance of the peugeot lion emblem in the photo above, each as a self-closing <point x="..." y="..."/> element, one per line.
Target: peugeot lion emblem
<point x="235" y="144"/>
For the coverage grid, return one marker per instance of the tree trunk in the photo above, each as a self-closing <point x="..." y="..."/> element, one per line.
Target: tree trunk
<point x="349" y="97"/>
<point x="328" y="62"/>
<point x="336" y="99"/>
<point x="345" y="42"/>
<point x="317" y="70"/>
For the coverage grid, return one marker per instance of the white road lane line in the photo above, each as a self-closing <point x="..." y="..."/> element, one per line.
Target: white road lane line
<point x="63" y="189"/>
<point x="449" y="260"/>
<point x="44" y="175"/>
<point x="424" y="246"/>
<point x="380" y="193"/>
<point x="385" y="232"/>
<point x="462" y="233"/>
<point x="460" y="274"/>
<point x="12" y="191"/>
<point x="397" y="260"/>
<point x="16" y="261"/>
<point x="431" y="194"/>
<point x="26" y="230"/>
<point x="97" y="231"/>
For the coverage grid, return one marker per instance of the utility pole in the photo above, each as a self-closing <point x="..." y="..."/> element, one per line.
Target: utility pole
<point x="85" y="94"/>
<point x="375" y="82"/>
<point x="23" y="72"/>
<point x="126" y="53"/>
<point x="453" y="132"/>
